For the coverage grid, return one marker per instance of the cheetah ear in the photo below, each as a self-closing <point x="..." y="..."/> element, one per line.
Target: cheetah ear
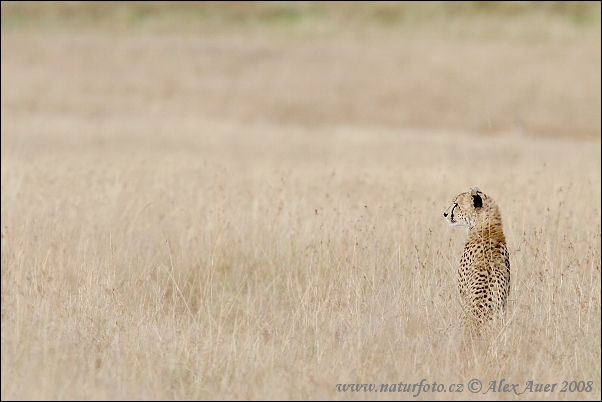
<point x="477" y="201"/>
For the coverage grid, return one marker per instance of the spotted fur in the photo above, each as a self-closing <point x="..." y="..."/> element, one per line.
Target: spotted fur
<point x="484" y="272"/>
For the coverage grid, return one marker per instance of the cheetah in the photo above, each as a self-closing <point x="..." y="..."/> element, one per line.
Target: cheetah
<point x="484" y="272"/>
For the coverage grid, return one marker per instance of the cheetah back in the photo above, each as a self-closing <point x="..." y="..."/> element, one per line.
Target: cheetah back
<point x="484" y="280"/>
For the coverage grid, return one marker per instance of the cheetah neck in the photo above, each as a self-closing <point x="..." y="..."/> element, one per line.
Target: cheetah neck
<point x="488" y="227"/>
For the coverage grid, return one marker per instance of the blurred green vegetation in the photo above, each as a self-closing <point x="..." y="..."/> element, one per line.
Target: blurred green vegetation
<point x="177" y="15"/>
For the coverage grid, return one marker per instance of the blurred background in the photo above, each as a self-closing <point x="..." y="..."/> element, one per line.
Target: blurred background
<point x="520" y="68"/>
<point x="244" y="200"/>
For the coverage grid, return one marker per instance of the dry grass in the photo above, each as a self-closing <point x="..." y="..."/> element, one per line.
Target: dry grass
<point x="168" y="233"/>
<point x="421" y="66"/>
<point x="227" y="268"/>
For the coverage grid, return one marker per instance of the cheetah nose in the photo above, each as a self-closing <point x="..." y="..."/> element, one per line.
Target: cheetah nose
<point x="445" y="214"/>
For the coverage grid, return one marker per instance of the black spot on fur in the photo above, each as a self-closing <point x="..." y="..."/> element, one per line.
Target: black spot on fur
<point x="477" y="201"/>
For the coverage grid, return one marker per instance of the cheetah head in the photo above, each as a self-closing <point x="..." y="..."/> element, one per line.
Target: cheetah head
<point x="465" y="208"/>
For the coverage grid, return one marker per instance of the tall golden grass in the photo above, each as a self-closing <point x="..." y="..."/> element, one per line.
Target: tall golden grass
<point x="247" y="264"/>
<point x="159" y="243"/>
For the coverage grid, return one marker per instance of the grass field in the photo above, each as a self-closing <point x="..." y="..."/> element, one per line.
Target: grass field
<point x="227" y="208"/>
